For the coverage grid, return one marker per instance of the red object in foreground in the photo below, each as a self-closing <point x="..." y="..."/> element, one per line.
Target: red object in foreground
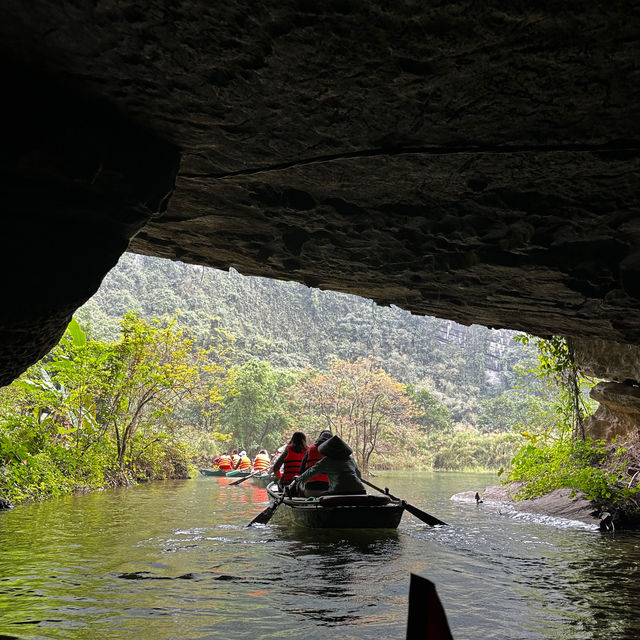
<point x="427" y="619"/>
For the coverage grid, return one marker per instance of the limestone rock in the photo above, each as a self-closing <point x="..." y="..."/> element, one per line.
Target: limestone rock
<point x="618" y="413"/>
<point x="561" y="503"/>
<point x="474" y="161"/>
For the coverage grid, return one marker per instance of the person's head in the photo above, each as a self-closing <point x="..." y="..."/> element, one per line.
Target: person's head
<point x="298" y="441"/>
<point x="335" y="447"/>
<point x="323" y="436"/>
<point x="243" y="453"/>
<point x="225" y="453"/>
<point x="234" y="452"/>
<point x="263" y="452"/>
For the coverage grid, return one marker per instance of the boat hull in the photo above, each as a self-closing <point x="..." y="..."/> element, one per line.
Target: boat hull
<point x="212" y="472"/>
<point x="237" y="473"/>
<point x="339" y="512"/>
<point x="262" y="481"/>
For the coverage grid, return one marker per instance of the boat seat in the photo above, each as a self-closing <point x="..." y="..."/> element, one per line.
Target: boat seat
<point x="353" y="500"/>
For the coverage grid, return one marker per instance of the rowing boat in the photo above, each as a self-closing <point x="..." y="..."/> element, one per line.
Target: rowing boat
<point x="239" y="473"/>
<point x="263" y="480"/>
<point x="212" y="472"/>
<point x="363" y="511"/>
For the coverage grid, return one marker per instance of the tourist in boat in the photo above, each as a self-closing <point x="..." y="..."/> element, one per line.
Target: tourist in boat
<point x="274" y="457"/>
<point x="290" y="458"/>
<point x="244" y="461"/>
<point x="340" y="467"/>
<point x="224" y="462"/>
<point x="261" y="461"/>
<point x="235" y="457"/>
<point x="318" y="484"/>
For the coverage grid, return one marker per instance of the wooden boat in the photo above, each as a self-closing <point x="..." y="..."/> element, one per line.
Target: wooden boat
<point x="239" y="473"/>
<point x="263" y="480"/>
<point x="212" y="472"/>
<point x="364" y="511"/>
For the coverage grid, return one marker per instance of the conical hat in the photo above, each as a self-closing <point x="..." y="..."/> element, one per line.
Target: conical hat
<point x="335" y="447"/>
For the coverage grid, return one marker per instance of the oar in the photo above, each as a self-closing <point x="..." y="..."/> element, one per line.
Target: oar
<point x="418" y="513"/>
<point x="255" y="473"/>
<point x="264" y="516"/>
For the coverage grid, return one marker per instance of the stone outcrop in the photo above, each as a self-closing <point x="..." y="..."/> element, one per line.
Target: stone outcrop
<point x="561" y="503"/>
<point x="618" y="412"/>
<point x="474" y="161"/>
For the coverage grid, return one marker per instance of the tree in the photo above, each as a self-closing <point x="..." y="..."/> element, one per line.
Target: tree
<point x="254" y="409"/>
<point x="362" y="404"/>
<point x="432" y="414"/>
<point x="145" y="376"/>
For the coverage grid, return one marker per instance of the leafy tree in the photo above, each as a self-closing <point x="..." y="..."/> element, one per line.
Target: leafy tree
<point x="254" y="410"/>
<point x="150" y="371"/>
<point x="91" y="410"/>
<point x="362" y="404"/>
<point x="432" y="414"/>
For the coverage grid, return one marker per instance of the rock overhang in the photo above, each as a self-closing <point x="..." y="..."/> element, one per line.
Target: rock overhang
<point x="479" y="163"/>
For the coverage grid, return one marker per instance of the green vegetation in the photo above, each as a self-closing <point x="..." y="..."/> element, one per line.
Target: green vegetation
<point x="243" y="362"/>
<point x="557" y="454"/>
<point x="93" y="413"/>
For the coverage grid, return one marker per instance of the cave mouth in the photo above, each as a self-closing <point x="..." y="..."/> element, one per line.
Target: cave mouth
<point x="457" y="161"/>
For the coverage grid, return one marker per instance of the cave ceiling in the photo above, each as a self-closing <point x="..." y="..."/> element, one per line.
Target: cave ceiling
<point x="473" y="161"/>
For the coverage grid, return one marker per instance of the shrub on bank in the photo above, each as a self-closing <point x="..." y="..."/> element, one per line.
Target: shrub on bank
<point x="606" y="472"/>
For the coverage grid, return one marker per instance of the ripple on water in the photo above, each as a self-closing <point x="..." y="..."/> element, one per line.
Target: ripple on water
<point x="175" y="560"/>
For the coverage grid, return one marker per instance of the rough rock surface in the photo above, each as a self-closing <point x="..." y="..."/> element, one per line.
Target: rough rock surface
<point x="559" y="503"/>
<point x="618" y="412"/>
<point x="475" y="161"/>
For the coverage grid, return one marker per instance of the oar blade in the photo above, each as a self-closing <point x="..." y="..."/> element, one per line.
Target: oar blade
<point x="264" y="516"/>
<point x="423" y="515"/>
<point x="235" y="482"/>
<point x="418" y="513"/>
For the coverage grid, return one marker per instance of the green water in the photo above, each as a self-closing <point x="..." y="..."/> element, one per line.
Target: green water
<point x="174" y="561"/>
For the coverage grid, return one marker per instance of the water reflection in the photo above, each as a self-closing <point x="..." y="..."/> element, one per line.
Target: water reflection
<point x="174" y="560"/>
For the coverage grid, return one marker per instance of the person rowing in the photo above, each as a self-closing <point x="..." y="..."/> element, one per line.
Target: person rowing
<point x="318" y="484"/>
<point x="341" y="469"/>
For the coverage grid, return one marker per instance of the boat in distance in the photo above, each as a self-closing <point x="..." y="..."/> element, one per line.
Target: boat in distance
<point x="213" y="472"/>
<point x="238" y="473"/>
<point x="363" y="511"/>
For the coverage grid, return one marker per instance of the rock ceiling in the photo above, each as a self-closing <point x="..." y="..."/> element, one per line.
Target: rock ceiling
<point x="474" y="161"/>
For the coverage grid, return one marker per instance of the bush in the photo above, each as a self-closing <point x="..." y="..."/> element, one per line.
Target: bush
<point x="596" y="468"/>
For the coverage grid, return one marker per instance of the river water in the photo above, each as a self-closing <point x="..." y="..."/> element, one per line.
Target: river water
<point x="173" y="560"/>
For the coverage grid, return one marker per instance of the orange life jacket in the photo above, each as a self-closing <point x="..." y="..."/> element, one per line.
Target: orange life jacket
<point x="261" y="462"/>
<point x="291" y="466"/>
<point x="314" y="456"/>
<point x="245" y="463"/>
<point x="224" y="463"/>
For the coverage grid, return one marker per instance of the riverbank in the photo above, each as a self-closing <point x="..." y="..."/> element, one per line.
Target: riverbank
<point x="561" y="503"/>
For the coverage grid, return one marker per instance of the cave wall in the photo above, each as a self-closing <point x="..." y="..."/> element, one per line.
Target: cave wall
<point x="474" y="161"/>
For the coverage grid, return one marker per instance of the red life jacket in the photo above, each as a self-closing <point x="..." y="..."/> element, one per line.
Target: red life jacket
<point x="291" y="466"/>
<point x="261" y="462"/>
<point x="314" y="456"/>
<point x="224" y="463"/>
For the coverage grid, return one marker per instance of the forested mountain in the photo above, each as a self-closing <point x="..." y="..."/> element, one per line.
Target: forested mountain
<point x="292" y="326"/>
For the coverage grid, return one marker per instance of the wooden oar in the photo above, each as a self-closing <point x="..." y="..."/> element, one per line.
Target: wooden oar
<point x="255" y="473"/>
<point x="418" y="513"/>
<point x="264" y="516"/>
<point x="427" y="618"/>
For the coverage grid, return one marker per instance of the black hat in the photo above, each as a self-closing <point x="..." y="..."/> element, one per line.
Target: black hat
<point x="335" y="447"/>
